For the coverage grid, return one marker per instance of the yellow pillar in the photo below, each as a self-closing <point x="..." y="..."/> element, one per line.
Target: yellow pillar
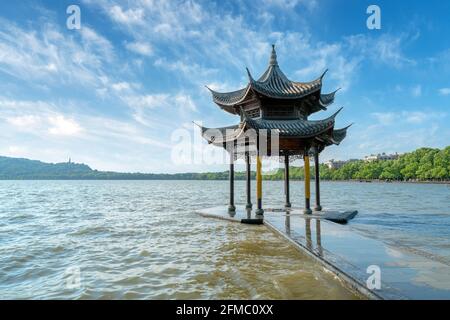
<point x="307" y="185"/>
<point x="259" y="209"/>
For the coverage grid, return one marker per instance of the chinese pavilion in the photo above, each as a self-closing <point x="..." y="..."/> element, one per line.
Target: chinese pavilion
<point x="273" y="104"/>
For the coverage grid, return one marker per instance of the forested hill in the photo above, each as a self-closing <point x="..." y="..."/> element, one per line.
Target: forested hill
<point x="425" y="164"/>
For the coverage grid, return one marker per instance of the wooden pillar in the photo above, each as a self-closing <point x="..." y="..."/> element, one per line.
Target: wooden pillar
<point x="231" y="207"/>
<point x="318" y="207"/>
<point x="307" y="209"/>
<point x="259" y="210"/>
<point x="249" y="178"/>
<point x="286" y="180"/>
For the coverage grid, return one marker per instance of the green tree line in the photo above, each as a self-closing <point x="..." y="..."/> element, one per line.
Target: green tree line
<point x="424" y="164"/>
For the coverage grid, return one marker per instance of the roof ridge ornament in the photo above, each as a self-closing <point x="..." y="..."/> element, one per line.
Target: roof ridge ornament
<point x="273" y="57"/>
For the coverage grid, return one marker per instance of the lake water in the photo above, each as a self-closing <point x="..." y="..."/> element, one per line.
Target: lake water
<point x="142" y="239"/>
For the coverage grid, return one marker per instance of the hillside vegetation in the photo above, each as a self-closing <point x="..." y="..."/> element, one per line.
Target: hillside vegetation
<point x="424" y="164"/>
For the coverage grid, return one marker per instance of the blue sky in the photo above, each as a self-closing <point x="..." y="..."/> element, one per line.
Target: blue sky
<point x="112" y="93"/>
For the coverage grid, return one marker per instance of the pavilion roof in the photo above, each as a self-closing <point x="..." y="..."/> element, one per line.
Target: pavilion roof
<point x="274" y="83"/>
<point x="337" y="136"/>
<point x="299" y="128"/>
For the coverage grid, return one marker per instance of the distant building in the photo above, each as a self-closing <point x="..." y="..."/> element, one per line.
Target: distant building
<point x="381" y="156"/>
<point x="335" y="164"/>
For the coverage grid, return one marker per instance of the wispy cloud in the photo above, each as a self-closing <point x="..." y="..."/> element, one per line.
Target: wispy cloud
<point x="413" y="117"/>
<point x="136" y="70"/>
<point x="62" y="126"/>
<point x="444" y="91"/>
<point x="50" y="55"/>
<point x="127" y="17"/>
<point x="416" y="91"/>
<point x="141" y="48"/>
<point x="385" y="49"/>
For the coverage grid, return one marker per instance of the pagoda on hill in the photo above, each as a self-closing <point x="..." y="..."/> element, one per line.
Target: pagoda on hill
<point x="275" y="108"/>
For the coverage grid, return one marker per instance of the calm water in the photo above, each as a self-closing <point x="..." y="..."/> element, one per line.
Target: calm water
<point x="142" y="240"/>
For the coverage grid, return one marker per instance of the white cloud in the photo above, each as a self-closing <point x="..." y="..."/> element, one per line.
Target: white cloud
<point x="27" y="122"/>
<point x="141" y="48"/>
<point x="384" y="118"/>
<point x="15" y="151"/>
<point x="62" y="126"/>
<point x="291" y="4"/>
<point x="97" y="43"/>
<point x="412" y="117"/>
<point x="417" y="117"/>
<point x="385" y="49"/>
<point x="121" y="86"/>
<point x="416" y="91"/>
<point x="45" y="53"/>
<point x="128" y="17"/>
<point x="103" y="142"/>
<point x="185" y="102"/>
<point x="148" y="101"/>
<point x="444" y="91"/>
<point x="144" y="107"/>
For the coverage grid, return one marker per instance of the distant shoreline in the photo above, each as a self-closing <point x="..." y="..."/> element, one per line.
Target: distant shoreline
<point x="424" y="165"/>
<point x="205" y="180"/>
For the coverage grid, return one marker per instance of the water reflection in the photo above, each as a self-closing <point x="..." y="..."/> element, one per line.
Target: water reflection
<point x="318" y="238"/>
<point x="288" y="224"/>
<point x="308" y="233"/>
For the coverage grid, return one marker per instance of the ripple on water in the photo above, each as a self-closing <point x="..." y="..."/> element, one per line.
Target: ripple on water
<point x="142" y="240"/>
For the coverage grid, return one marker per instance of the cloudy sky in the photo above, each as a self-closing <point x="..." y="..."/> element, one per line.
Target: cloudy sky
<point x="115" y="93"/>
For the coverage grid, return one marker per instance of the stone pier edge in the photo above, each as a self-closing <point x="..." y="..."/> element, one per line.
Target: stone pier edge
<point x="350" y="282"/>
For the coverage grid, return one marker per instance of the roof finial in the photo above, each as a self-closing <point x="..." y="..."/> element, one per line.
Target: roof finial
<point x="273" y="57"/>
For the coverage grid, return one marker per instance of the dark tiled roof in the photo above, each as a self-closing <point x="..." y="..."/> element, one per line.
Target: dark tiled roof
<point x="276" y="85"/>
<point x="339" y="135"/>
<point x="273" y="83"/>
<point x="294" y="128"/>
<point x="229" y="98"/>
<point x="222" y="134"/>
<point x="298" y="128"/>
<point x="328" y="98"/>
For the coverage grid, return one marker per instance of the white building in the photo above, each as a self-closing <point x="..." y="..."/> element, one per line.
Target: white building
<point x="335" y="164"/>
<point x="381" y="156"/>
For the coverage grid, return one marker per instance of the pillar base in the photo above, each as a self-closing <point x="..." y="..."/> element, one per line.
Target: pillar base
<point x="307" y="211"/>
<point x="259" y="212"/>
<point x="231" y="208"/>
<point x="288" y="205"/>
<point x="318" y="208"/>
<point x="248" y="206"/>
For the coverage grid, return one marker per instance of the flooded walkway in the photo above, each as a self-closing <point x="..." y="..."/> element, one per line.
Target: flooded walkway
<point x="404" y="274"/>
